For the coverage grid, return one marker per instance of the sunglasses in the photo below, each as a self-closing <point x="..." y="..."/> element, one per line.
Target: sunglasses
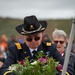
<point x="35" y="38"/>
<point x="61" y="42"/>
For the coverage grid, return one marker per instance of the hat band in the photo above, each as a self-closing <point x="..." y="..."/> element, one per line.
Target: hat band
<point x="24" y="31"/>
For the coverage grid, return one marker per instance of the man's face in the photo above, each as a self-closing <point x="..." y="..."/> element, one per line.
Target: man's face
<point x="33" y="41"/>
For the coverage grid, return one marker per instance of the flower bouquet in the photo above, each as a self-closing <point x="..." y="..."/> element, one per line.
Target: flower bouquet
<point x="43" y="66"/>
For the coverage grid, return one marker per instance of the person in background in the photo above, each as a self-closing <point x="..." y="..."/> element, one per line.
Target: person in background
<point x="59" y="39"/>
<point x="12" y="40"/>
<point x="3" y="42"/>
<point x="20" y="40"/>
<point x="46" y="38"/>
<point x="4" y="45"/>
<point x="32" y="31"/>
<point x="73" y="47"/>
<point x="2" y="58"/>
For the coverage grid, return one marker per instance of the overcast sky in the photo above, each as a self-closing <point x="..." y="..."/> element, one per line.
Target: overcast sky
<point x="41" y="8"/>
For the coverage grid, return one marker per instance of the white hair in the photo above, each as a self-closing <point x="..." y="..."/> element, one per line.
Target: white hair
<point x="58" y="32"/>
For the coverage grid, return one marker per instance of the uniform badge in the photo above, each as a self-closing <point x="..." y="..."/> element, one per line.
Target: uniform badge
<point x="31" y="27"/>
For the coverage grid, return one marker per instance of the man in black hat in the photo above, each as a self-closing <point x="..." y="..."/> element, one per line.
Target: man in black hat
<point x="32" y="31"/>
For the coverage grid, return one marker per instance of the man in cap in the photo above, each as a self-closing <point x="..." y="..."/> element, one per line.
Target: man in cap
<point x="32" y="31"/>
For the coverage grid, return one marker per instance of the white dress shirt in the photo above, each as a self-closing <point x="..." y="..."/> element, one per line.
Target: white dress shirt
<point x="31" y="50"/>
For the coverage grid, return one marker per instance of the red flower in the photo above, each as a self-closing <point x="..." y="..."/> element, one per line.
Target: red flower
<point x="59" y="67"/>
<point x="22" y="62"/>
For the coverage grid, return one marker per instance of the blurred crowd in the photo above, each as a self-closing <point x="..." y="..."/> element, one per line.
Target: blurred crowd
<point x="4" y="46"/>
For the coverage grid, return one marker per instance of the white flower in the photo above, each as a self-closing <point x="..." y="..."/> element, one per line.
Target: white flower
<point x="12" y="68"/>
<point x="34" y="63"/>
<point x="41" y="51"/>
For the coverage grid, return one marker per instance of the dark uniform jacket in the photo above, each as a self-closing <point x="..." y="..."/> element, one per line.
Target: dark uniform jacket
<point x="19" y="53"/>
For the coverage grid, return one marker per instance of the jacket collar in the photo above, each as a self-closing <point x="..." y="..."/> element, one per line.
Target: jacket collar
<point x="26" y="52"/>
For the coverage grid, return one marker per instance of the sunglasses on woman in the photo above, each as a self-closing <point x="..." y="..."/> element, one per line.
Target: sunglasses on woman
<point x="61" y="42"/>
<point x="36" y="38"/>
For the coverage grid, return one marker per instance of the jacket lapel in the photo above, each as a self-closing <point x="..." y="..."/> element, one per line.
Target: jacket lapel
<point x="25" y="52"/>
<point x="40" y="48"/>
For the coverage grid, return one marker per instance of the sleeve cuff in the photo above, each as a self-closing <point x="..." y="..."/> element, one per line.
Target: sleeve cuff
<point x="7" y="72"/>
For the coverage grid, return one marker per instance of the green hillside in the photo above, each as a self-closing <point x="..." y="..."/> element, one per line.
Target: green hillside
<point x="7" y="26"/>
<point x="59" y="24"/>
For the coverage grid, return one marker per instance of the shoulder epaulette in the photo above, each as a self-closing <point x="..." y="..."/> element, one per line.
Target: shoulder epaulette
<point x="18" y="45"/>
<point x="48" y="44"/>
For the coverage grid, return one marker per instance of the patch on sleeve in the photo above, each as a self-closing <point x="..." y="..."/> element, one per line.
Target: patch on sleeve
<point x="18" y="45"/>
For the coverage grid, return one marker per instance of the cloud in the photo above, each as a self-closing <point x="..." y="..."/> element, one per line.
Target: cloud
<point x="41" y="8"/>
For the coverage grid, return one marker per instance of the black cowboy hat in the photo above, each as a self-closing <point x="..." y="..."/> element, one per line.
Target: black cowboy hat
<point x="31" y="25"/>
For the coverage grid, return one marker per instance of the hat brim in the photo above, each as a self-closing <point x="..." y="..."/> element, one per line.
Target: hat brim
<point x="43" y="23"/>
